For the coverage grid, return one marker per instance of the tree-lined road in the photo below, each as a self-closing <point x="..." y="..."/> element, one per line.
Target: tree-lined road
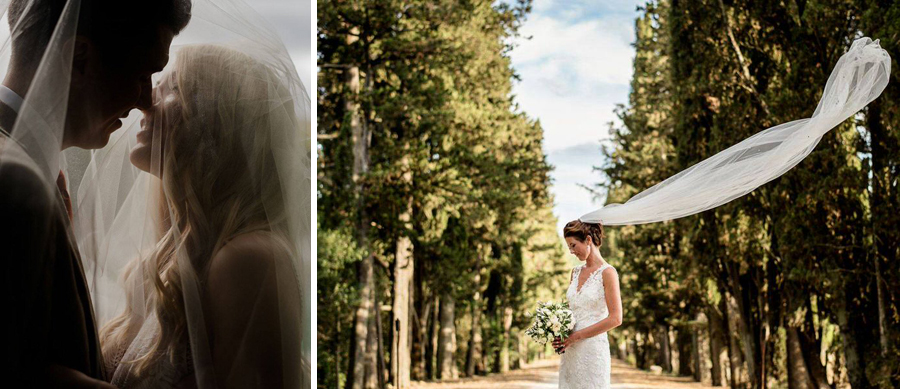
<point x="544" y="375"/>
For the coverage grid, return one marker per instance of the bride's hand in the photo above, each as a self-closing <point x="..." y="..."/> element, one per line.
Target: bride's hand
<point x="561" y="345"/>
<point x="557" y="344"/>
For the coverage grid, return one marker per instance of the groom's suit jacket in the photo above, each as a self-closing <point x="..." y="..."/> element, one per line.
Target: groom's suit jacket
<point x="46" y="307"/>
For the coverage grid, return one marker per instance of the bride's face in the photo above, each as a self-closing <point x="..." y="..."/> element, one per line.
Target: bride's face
<point x="158" y="120"/>
<point x="578" y="248"/>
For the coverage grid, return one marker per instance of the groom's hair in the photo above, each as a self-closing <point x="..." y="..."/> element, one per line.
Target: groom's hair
<point x="105" y="22"/>
<point x="581" y="231"/>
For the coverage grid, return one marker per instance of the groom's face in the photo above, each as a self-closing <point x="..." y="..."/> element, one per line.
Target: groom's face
<point x="108" y="81"/>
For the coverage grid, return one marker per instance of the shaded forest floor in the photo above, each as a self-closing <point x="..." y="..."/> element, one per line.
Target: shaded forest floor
<point x="545" y="375"/>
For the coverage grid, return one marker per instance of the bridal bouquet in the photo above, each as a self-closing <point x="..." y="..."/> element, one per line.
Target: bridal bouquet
<point x="551" y="320"/>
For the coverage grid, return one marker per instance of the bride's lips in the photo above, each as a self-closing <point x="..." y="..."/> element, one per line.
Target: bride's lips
<point x="145" y="135"/>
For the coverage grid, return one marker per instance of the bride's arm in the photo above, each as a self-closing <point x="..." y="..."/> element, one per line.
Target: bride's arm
<point x="58" y="376"/>
<point x="613" y="304"/>
<point x="252" y="331"/>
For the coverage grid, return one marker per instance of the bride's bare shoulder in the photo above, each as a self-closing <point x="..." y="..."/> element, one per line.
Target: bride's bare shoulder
<point x="246" y="260"/>
<point x="609" y="274"/>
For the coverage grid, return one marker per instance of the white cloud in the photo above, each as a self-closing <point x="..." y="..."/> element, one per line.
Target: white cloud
<point x="575" y="68"/>
<point x="573" y="75"/>
<point x="598" y="50"/>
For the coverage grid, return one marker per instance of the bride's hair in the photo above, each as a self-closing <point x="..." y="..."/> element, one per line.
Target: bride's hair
<point x="218" y="180"/>
<point x="581" y="231"/>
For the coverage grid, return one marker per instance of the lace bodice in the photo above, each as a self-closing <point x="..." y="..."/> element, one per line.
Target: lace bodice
<point x="586" y="364"/>
<point x="169" y="372"/>
<point x="588" y="303"/>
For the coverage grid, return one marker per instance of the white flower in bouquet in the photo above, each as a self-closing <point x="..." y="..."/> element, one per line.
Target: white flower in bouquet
<point x="551" y="320"/>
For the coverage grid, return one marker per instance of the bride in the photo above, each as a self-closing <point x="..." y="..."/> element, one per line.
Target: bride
<point x="594" y="298"/>
<point x="208" y="139"/>
<point x="194" y="224"/>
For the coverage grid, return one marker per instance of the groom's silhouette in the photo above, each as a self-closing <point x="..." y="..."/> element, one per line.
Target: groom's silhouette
<point x="49" y="333"/>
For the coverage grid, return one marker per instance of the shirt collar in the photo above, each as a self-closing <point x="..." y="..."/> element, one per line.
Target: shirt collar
<point x="10" y="98"/>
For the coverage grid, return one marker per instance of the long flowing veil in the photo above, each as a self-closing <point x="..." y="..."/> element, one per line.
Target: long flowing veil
<point x="859" y="77"/>
<point x="194" y="221"/>
<point x="30" y="143"/>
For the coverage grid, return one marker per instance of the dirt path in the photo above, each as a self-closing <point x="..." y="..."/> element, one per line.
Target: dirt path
<point x="544" y="375"/>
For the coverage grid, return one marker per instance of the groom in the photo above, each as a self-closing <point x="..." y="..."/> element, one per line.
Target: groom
<point x="49" y="334"/>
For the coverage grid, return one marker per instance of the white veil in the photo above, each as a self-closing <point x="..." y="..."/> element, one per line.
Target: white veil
<point x="44" y="62"/>
<point x="859" y="77"/>
<point x="200" y="271"/>
<point x="30" y="217"/>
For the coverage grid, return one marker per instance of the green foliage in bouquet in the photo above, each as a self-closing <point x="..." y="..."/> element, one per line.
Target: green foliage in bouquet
<point x="551" y="320"/>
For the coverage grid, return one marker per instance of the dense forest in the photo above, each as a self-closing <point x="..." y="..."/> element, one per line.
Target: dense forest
<point x="797" y="284"/>
<point x="436" y="235"/>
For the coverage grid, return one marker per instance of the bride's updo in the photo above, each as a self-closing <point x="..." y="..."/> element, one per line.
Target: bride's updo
<point x="581" y="231"/>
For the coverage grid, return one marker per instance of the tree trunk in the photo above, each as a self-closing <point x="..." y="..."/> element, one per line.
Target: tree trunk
<point x="811" y="345"/>
<point x="798" y="374"/>
<point x="431" y="355"/>
<point x="664" y="357"/>
<point x="696" y="367"/>
<point x="362" y="323"/>
<point x="853" y="350"/>
<point x="735" y="357"/>
<point x="473" y="354"/>
<point x="714" y="326"/>
<point x="885" y="240"/>
<point x="379" y="330"/>
<point x="504" y="343"/>
<point x="643" y="348"/>
<point x="447" y="341"/>
<point x="683" y="342"/>
<point x="420" y="346"/>
<point x="338" y="352"/>
<point x="882" y="318"/>
<point x="370" y="380"/>
<point x="748" y="325"/>
<point x="615" y="348"/>
<point x="521" y="348"/>
<point x="403" y="275"/>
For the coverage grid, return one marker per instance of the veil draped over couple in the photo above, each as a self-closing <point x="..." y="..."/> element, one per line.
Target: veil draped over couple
<point x="176" y="253"/>
<point x="858" y="78"/>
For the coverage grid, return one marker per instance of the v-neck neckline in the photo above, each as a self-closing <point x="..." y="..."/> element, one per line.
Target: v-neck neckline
<point x="578" y="288"/>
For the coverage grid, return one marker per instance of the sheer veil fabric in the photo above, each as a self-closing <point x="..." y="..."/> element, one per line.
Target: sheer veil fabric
<point x="194" y="220"/>
<point x="48" y="314"/>
<point x="859" y="77"/>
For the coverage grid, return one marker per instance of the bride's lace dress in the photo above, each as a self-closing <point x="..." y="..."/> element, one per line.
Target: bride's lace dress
<point x="586" y="364"/>
<point x="173" y="371"/>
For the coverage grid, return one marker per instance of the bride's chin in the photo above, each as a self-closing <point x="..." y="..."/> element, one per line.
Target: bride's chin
<point x="140" y="157"/>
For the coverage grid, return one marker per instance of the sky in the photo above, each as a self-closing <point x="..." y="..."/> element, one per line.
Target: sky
<point x="292" y="20"/>
<point x="575" y="68"/>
